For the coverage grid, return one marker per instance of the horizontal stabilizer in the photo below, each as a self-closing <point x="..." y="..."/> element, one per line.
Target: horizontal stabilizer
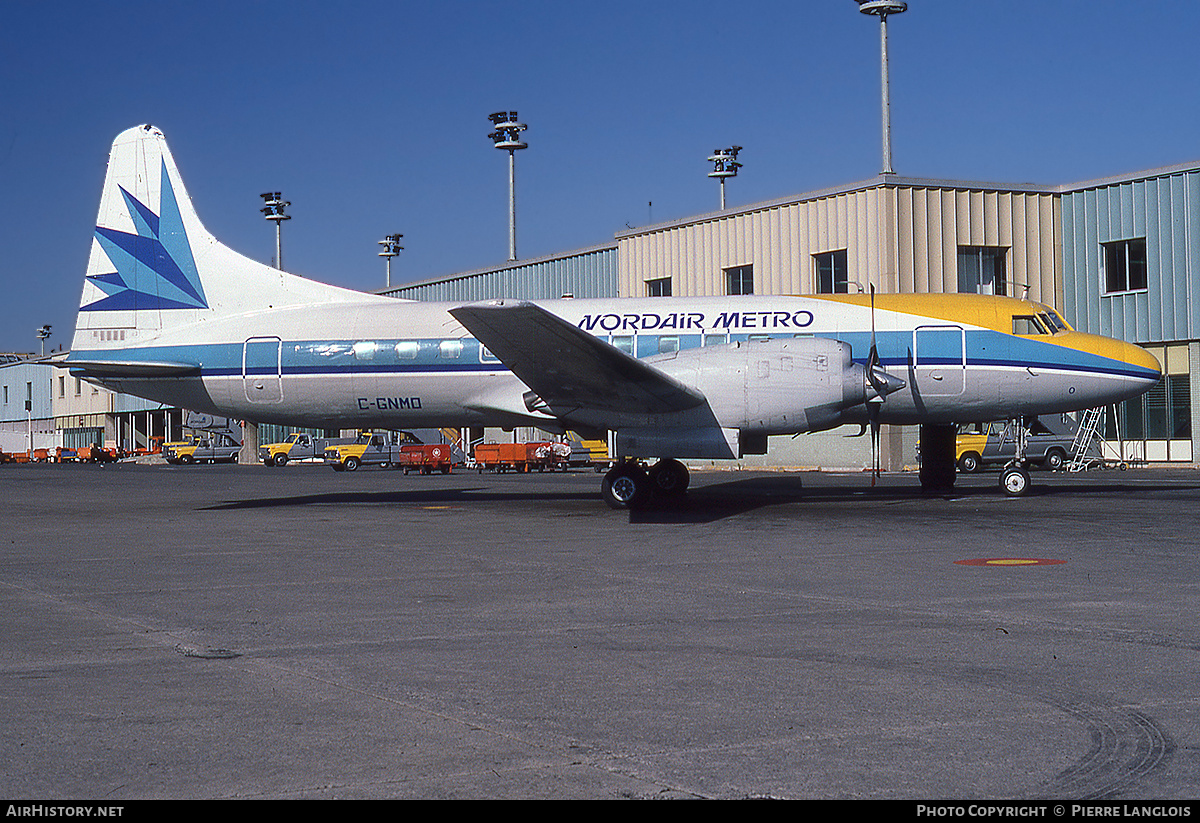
<point x="127" y="368"/>
<point x="566" y="367"/>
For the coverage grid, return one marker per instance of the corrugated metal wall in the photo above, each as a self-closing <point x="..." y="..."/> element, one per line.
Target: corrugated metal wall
<point x="1162" y="209"/>
<point x="586" y="273"/>
<point x="901" y="238"/>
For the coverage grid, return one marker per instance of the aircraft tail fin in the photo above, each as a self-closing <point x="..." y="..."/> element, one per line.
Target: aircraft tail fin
<point x="153" y="266"/>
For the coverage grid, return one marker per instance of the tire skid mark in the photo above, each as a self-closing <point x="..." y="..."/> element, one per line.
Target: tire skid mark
<point x="1127" y="746"/>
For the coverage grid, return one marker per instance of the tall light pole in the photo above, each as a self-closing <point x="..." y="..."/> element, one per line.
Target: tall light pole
<point x="391" y="247"/>
<point x="725" y="165"/>
<point x="881" y="9"/>
<point x="42" y="334"/>
<point x="273" y="210"/>
<point x="507" y="136"/>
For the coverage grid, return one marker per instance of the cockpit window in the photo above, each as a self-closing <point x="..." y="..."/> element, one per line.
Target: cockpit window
<point x="1027" y="324"/>
<point x="1051" y="322"/>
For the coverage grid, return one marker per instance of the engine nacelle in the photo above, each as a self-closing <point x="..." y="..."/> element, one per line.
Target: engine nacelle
<point x="786" y="386"/>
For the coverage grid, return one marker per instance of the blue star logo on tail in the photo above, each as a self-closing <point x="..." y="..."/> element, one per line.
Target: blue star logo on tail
<point x="155" y="267"/>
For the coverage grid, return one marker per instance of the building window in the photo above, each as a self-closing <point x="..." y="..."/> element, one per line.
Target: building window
<point x="981" y="270"/>
<point x="1162" y="413"/>
<point x="1125" y="265"/>
<point x="833" y="273"/>
<point x="739" y="280"/>
<point x="660" y="287"/>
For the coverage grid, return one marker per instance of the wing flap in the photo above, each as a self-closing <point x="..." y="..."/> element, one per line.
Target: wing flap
<point x="568" y="368"/>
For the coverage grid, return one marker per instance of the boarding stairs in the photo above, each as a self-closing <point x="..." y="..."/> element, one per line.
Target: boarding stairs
<point x="1083" y="454"/>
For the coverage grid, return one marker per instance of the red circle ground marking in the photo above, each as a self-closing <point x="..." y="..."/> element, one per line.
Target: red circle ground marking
<point x="1009" y="561"/>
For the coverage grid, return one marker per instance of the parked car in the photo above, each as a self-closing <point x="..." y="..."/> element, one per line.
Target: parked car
<point x="1049" y="444"/>
<point x="212" y="448"/>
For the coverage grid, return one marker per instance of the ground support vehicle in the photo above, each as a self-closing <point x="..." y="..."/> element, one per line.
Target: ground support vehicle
<point x="424" y="458"/>
<point x="1049" y="443"/>
<point x="298" y="446"/>
<point x="367" y="449"/>
<point x="592" y="453"/>
<point x="95" y="454"/>
<point x="522" y="457"/>
<point x="215" y="448"/>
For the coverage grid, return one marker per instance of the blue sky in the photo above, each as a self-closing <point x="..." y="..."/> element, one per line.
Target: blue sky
<point x="371" y="117"/>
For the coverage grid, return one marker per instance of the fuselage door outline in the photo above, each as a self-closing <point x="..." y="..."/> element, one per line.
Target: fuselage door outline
<point x="940" y="360"/>
<point x="262" y="369"/>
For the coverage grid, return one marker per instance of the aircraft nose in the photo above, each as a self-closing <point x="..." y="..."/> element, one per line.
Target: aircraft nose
<point x="1144" y="366"/>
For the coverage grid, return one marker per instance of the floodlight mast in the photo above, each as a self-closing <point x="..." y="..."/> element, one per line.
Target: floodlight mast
<point x="507" y="137"/>
<point x="725" y="165"/>
<point x="43" y="333"/>
<point x="273" y="210"/>
<point x="881" y="9"/>
<point x="391" y="247"/>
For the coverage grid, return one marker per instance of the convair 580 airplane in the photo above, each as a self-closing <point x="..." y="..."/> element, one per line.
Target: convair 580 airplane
<point x="170" y="314"/>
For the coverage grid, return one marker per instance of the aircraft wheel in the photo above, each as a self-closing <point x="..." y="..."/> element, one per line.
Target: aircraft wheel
<point x="281" y="460"/>
<point x="968" y="463"/>
<point x="626" y="486"/>
<point x="669" y="478"/>
<point x="351" y="463"/>
<point x="1014" y="481"/>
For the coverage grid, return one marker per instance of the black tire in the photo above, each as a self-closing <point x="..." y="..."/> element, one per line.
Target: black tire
<point x="969" y="463"/>
<point x="350" y="464"/>
<point x="669" y="478"/>
<point x="1055" y="459"/>
<point x="186" y="459"/>
<point x="281" y="460"/>
<point x="626" y="486"/>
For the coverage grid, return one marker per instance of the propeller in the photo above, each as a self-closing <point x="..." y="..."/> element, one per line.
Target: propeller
<point x="882" y="384"/>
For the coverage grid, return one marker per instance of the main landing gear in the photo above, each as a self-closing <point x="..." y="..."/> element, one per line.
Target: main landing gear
<point x="629" y="485"/>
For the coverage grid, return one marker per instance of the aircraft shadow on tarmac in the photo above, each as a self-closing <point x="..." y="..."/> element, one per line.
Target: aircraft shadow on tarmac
<point x="712" y="502"/>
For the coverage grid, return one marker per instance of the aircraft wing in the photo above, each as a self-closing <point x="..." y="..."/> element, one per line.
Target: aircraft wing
<point x="567" y="367"/>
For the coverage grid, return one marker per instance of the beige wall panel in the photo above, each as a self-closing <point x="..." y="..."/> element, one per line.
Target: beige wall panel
<point x="989" y="218"/>
<point x="1017" y="239"/>
<point x="962" y="218"/>
<point x="939" y="280"/>
<point x="975" y="219"/>
<point x="917" y="231"/>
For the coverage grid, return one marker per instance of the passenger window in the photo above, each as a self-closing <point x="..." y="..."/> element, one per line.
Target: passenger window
<point x="761" y="338"/>
<point x="450" y="349"/>
<point x="624" y="343"/>
<point x="365" y="351"/>
<point x="485" y="354"/>
<point x="667" y="344"/>
<point x="407" y="349"/>
<point x="715" y="339"/>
